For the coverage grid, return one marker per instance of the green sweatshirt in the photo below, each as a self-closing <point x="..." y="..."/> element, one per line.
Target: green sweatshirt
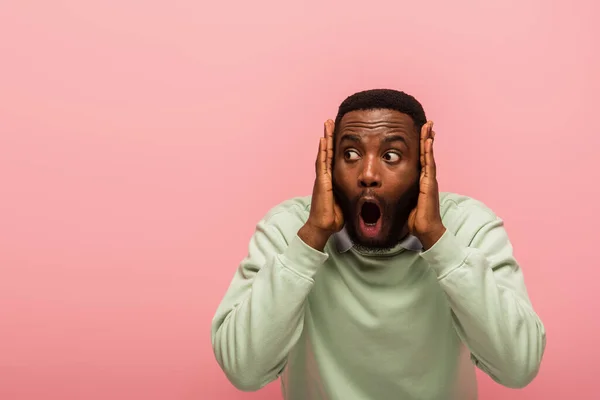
<point x="403" y="324"/>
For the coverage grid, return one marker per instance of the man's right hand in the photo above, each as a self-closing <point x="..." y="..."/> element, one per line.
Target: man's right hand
<point x="325" y="216"/>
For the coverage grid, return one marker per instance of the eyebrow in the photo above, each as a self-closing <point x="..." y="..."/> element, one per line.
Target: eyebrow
<point x="395" y="138"/>
<point x="387" y="139"/>
<point x="350" y="137"/>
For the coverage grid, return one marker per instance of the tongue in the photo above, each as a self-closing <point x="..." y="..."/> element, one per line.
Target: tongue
<point x="369" y="230"/>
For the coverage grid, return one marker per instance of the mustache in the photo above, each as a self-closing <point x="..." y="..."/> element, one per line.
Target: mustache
<point x="408" y="200"/>
<point x="344" y="201"/>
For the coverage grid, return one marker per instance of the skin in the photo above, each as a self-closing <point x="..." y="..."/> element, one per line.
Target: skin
<point x="377" y="156"/>
<point x="377" y="153"/>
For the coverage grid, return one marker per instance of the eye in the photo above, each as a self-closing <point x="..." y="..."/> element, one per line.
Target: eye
<point x="351" y="155"/>
<point x="391" y="156"/>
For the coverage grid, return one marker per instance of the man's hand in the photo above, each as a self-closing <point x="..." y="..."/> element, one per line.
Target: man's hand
<point x="325" y="216"/>
<point x="425" y="221"/>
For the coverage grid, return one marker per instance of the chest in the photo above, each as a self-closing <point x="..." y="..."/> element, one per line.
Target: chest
<point x="385" y="304"/>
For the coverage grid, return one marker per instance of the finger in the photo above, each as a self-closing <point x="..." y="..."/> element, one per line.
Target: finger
<point x="424" y="135"/>
<point x="320" y="165"/>
<point x="430" y="167"/>
<point x="430" y="132"/>
<point x="422" y="145"/>
<point x="329" y="138"/>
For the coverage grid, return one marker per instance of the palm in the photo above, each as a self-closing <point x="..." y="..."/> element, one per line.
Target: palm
<point x="425" y="216"/>
<point x="326" y="214"/>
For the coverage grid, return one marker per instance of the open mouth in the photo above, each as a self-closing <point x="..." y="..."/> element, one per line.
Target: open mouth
<point x="370" y="213"/>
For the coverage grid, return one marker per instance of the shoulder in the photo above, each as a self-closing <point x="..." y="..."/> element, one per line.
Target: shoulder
<point x="290" y="209"/>
<point x="459" y="203"/>
<point x="286" y="217"/>
<point x="465" y="215"/>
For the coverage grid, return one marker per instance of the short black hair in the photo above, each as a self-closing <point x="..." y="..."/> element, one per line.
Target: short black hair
<point x="383" y="99"/>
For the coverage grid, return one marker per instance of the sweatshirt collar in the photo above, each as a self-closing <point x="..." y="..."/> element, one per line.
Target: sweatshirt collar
<point x="344" y="243"/>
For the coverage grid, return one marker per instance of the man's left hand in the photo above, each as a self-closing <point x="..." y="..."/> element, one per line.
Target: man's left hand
<point x="425" y="221"/>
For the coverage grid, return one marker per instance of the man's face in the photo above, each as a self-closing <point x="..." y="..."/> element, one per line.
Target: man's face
<point x="376" y="175"/>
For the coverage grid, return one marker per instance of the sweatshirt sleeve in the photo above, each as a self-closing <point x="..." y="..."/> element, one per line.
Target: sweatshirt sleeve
<point x="261" y="315"/>
<point x="491" y="308"/>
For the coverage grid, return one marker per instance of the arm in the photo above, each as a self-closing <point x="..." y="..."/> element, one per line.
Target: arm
<point x="484" y="284"/>
<point x="261" y="317"/>
<point x="492" y="312"/>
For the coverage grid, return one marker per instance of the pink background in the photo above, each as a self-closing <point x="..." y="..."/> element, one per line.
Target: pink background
<point x="141" y="141"/>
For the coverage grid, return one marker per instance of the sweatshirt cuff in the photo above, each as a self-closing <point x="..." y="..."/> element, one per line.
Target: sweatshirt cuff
<point x="446" y="254"/>
<point x="301" y="258"/>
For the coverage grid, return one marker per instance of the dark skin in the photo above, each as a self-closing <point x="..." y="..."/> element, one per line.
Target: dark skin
<point x="378" y="154"/>
<point x="377" y="157"/>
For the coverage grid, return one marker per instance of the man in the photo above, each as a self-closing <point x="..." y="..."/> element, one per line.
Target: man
<point x="378" y="286"/>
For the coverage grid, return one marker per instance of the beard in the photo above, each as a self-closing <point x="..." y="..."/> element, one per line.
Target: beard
<point x="394" y="215"/>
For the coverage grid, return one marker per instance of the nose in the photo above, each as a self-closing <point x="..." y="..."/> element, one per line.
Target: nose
<point x="369" y="177"/>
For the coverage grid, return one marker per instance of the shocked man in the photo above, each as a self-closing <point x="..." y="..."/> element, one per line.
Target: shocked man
<point x="378" y="286"/>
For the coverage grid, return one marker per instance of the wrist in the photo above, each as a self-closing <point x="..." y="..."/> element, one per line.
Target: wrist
<point x="432" y="236"/>
<point x="314" y="237"/>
